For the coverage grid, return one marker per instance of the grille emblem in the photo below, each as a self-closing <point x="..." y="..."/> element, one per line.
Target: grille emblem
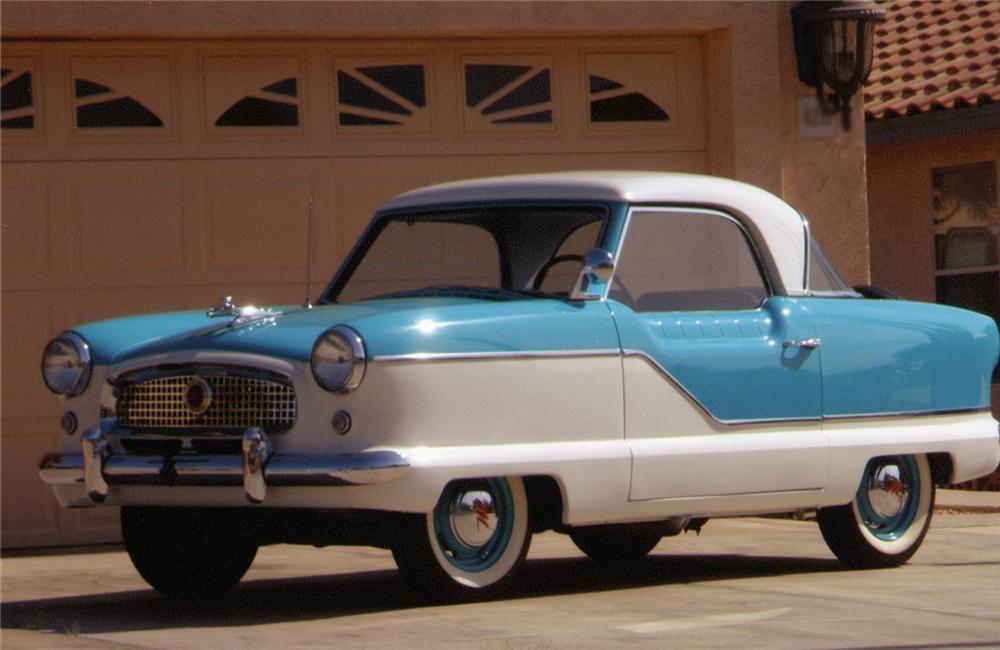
<point x="197" y="396"/>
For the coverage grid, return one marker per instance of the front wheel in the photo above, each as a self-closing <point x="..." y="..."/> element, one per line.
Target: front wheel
<point x="187" y="552"/>
<point x="473" y="541"/>
<point x="889" y="517"/>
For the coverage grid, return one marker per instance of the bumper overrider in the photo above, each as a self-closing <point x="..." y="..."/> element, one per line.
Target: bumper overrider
<point x="256" y="468"/>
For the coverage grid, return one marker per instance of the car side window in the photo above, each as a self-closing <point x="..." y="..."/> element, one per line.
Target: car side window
<point x="686" y="260"/>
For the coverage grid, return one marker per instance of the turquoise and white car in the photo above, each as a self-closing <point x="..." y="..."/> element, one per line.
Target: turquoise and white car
<point x="615" y="356"/>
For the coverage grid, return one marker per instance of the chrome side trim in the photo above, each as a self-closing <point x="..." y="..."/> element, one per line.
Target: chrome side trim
<point x="900" y="414"/>
<point x="479" y="356"/>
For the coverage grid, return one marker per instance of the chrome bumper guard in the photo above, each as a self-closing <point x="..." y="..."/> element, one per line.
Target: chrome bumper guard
<point x="255" y="469"/>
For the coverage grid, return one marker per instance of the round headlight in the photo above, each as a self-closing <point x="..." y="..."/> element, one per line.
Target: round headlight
<point x="66" y="364"/>
<point x="338" y="359"/>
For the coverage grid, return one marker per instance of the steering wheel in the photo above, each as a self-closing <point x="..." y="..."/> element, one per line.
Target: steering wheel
<point x="558" y="259"/>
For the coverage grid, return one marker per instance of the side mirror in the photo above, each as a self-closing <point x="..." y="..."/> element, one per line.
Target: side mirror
<point x="592" y="283"/>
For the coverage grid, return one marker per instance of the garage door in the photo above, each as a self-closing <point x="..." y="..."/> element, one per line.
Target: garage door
<point x="141" y="177"/>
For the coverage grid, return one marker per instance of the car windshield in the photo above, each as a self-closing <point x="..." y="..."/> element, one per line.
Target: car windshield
<point x="489" y="254"/>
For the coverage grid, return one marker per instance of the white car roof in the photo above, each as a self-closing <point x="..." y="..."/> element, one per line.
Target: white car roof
<point x="769" y="219"/>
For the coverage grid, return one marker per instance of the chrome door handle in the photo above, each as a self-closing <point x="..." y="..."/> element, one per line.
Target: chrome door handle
<point x="808" y="344"/>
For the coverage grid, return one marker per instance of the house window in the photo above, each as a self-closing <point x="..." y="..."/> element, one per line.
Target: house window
<point x="966" y="235"/>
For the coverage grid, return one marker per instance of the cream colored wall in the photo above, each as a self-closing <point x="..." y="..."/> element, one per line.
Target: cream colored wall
<point x="93" y="205"/>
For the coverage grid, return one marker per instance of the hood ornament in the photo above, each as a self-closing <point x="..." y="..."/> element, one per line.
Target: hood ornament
<point x="240" y="315"/>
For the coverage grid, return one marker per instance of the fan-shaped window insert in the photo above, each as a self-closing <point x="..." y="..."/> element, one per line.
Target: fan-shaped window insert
<point x="104" y="108"/>
<point x="380" y="95"/>
<point x="16" y="103"/>
<point x="611" y="101"/>
<point x="509" y="94"/>
<point x="266" y="108"/>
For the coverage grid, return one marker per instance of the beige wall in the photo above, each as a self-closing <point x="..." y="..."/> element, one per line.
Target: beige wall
<point x="99" y="225"/>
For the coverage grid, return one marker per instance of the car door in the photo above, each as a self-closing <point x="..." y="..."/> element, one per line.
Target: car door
<point x="721" y="377"/>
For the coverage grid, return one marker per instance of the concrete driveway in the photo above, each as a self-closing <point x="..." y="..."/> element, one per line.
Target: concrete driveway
<point x="750" y="583"/>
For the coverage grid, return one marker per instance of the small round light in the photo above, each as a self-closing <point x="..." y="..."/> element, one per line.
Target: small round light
<point x="338" y="359"/>
<point x="342" y="422"/>
<point x="68" y="422"/>
<point x="66" y="364"/>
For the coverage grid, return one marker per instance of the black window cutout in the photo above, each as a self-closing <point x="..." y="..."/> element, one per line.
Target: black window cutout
<point x="257" y="111"/>
<point x="287" y="87"/>
<point x="353" y="92"/>
<point x="353" y="119"/>
<point x="86" y="88"/>
<point x="483" y="80"/>
<point x="122" y="112"/>
<point x="600" y="84"/>
<point x="541" y="117"/>
<point x="253" y="111"/>
<point x="534" y="91"/>
<point x="625" y="107"/>
<point x="407" y="81"/>
<point x="16" y="95"/>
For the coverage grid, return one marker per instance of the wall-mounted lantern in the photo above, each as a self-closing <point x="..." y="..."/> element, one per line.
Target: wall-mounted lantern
<point x="833" y="47"/>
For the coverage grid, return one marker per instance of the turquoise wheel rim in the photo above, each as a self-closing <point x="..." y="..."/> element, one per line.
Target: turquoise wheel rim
<point x="474" y="522"/>
<point x="889" y="496"/>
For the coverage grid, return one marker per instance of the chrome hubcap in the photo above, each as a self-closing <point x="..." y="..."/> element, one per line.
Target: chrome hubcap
<point x="887" y="492"/>
<point x="472" y="516"/>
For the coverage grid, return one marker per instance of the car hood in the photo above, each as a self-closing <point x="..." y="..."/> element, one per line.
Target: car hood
<point x="388" y="327"/>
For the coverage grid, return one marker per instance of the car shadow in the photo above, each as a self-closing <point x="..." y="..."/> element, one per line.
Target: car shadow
<point x="330" y="596"/>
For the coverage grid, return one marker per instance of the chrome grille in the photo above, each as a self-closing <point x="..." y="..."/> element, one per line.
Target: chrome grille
<point x="240" y="400"/>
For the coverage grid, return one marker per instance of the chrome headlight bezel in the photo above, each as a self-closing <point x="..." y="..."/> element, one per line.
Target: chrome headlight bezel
<point x="71" y="375"/>
<point x="338" y="359"/>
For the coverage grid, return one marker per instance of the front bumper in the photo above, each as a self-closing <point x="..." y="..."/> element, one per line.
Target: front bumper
<point x="256" y="468"/>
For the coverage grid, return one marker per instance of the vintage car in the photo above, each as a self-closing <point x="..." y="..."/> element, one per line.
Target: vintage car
<point x="618" y="356"/>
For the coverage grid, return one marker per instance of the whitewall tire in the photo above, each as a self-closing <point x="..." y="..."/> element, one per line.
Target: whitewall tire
<point x="473" y="541"/>
<point x="887" y="520"/>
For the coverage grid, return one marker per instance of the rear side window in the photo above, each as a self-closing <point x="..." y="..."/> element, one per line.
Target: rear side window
<point x="686" y="260"/>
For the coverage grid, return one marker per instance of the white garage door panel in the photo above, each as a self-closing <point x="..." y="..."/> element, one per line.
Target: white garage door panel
<point x="160" y="176"/>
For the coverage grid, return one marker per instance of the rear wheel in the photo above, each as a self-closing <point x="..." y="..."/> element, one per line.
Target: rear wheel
<point x="615" y="544"/>
<point x="187" y="552"/>
<point x="473" y="541"/>
<point x="889" y="517"/>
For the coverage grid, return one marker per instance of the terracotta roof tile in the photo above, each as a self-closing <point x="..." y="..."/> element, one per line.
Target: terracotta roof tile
<point x="933" y="56"/>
